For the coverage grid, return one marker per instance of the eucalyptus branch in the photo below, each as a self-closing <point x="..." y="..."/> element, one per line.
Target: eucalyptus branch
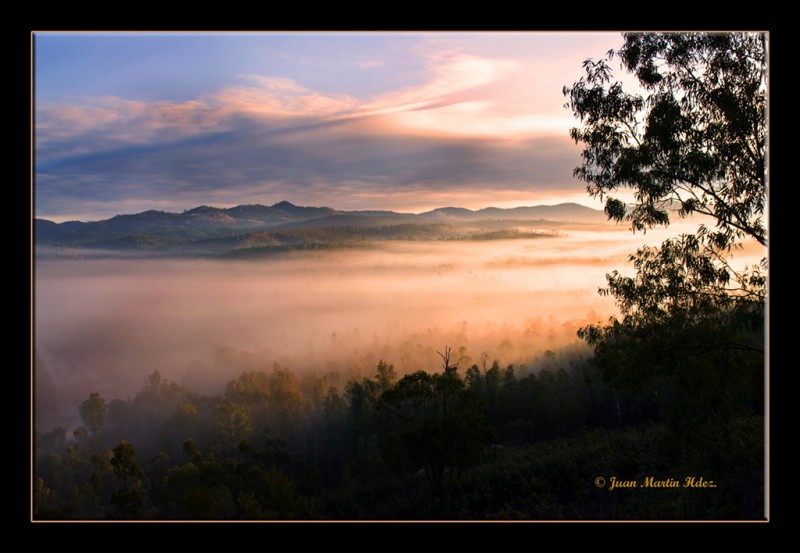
<point x="742" y="226"/>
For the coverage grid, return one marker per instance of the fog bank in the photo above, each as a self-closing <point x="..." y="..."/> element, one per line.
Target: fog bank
<point x="105" y="324"/>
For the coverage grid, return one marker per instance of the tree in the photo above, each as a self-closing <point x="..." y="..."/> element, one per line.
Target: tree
<point x="698" y="138"/>
<point x="690" y="140"/>
<point x="385" y="375"/>
<point x="126" y="466"/>
<point x="94" y="412"/>
<point x="130" y="496"/>
<point x="274" y="400"/>
<point x="694" y="142"/>
<point x="441" y="425"/>
<point x="232" y="422"/>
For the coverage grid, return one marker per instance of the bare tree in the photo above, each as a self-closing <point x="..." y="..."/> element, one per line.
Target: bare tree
<point x="448" y="367"/>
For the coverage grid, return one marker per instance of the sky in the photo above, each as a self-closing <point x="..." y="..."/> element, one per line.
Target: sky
<point x="127" y="122"/>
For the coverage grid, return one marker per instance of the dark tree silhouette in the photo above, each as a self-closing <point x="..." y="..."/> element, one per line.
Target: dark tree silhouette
<point x="694" y="143"/>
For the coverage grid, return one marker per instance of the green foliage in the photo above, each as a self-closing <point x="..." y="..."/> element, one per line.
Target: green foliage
<point x="696" y="143"/>
<point x="274" y="400"/>
<point x="680" y="279"/>
<point x="696" y="140"/>
<point x="386" y="375"/>
<point x="426" y="446"/>
<point x="232" y="422"/>
<point x="157" y="401"/>
<point x="704" y="370"/>
<point x="130" y="497"/>
<point x="692" y="334"/>
<point x="441" y="424"/>
<point x="126" y="466"/>
<point x="94" y="412"/>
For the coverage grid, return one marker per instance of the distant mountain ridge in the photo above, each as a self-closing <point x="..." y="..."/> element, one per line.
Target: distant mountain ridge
<point x="284" y="211"/>
<point x="571" y="212"/>
<point x="223" y="229"/>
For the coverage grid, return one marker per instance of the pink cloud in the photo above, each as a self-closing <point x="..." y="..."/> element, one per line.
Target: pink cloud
<point x="467" y="95"/>
<point x="455" y="77"/>
<point x="281" y="97"/>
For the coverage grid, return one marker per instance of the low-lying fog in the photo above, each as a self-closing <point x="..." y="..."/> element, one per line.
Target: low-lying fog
<point x="104" y="325"/>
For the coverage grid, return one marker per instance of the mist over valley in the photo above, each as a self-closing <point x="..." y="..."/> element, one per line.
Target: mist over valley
<point x="107" y="318"/>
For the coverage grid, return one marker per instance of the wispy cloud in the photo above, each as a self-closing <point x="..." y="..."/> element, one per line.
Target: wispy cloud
<point x="281" y="97"/>
<point x="268" y="138"/>
<point x="456" y="77"/>
<point x="370" y="64"/>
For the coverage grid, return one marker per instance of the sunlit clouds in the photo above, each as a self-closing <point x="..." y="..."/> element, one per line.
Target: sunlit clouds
<point x="477" y="120"/>
<point x="275" y="97"/>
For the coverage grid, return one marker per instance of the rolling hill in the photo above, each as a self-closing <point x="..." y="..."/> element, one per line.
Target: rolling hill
<point x="246" y="230"/>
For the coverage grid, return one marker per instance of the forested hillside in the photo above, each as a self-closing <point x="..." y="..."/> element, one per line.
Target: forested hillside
<point x="481" y="442"/>
<point x="246" y="231"/>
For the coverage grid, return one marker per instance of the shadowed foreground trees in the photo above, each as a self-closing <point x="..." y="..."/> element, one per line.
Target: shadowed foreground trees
<point x="693" y="143"/>
<point x="691" y="337"/>
<point x="426" y="446"/>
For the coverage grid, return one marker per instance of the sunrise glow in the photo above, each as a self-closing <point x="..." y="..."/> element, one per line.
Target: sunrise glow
<point x="177" y="120"/>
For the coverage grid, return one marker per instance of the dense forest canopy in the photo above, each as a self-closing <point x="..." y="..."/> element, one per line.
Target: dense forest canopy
<point x="485" y="442"/>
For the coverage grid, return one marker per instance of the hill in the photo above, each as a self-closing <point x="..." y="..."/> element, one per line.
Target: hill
<point x="247" y="230"/>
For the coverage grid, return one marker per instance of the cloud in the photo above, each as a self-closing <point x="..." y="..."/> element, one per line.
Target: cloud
<point x="371" y="64"/>
<point x="454" y="77"/>
<point x="279" y="97"/>
<point x="96" y="125"/>
<point x="272" y="138"/>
